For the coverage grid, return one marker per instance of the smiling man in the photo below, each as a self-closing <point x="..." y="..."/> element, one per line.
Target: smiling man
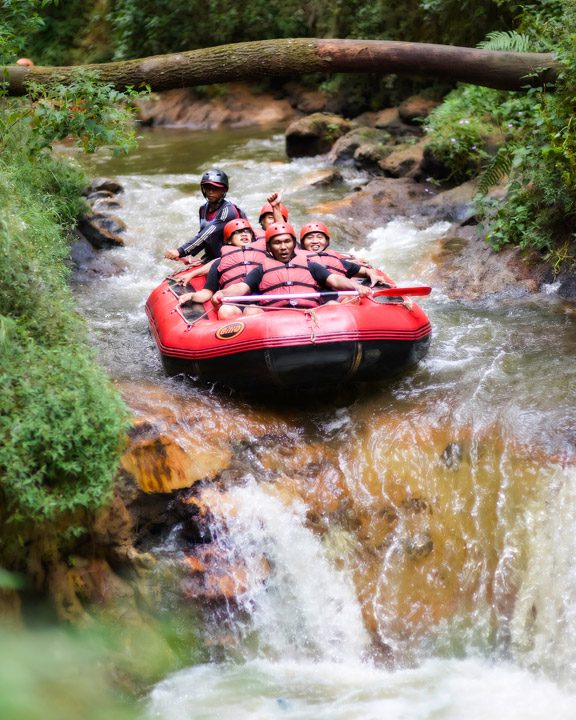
<point x="285" y="270"/>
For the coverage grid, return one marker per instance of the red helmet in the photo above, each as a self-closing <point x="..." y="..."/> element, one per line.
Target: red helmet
<point x="314" y="227"/>
<point x="237" y="224"/>
<point x="280" y="229"/>
<point x="267" y="208"/>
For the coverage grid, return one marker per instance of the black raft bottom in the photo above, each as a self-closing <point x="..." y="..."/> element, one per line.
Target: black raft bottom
<point x="307" y="366"/>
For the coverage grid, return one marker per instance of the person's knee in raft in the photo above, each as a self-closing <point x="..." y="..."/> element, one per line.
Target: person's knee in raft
<point x="286" y="270"/>
<point x="239" y="234"/>
<point x="214" y="215"/>
<point x="315" y="239"/>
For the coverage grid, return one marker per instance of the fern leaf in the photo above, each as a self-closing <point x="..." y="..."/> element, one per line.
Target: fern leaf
<point x="497" y="168"/>
<point x="507" y="40"/>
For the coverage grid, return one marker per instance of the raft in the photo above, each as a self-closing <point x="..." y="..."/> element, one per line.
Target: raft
<point x="366" y="340"/>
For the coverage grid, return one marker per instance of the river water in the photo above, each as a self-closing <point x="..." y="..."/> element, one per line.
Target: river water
<point x="418" y="535"/>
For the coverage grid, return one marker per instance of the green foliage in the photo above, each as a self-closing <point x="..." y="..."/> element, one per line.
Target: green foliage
<point x="58" y="675"/>
<point x="72" y="32"/>
<point x="510" y="41"/>
<point x="92" y="112"/>
<point x="467" y="126"/>
<point x="528" y="138"/>
<point x="18" y="20"/>
<point x="61" y="423"/>
<point x="540" y="210"/>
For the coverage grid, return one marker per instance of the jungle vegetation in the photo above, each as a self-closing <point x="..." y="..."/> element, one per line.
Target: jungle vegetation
<point x="62" y="424"/>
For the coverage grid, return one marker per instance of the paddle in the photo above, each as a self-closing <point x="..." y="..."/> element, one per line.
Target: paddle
<point x="390" y="292"/>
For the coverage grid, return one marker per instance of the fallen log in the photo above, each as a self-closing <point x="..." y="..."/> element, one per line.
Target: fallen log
<point x="267" y="58"/>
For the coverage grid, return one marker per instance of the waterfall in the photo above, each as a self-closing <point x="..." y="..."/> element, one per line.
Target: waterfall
<point x="543" y="627"/>
<point x="298" y="604"/>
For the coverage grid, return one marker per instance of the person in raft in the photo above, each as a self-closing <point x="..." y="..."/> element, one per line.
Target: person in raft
<point x="214" y="215"/>
<point x="239" y="257"/>
<point x="286" y="270"/>
<point x="315" y="238"/>
<point x="272" y="211"/>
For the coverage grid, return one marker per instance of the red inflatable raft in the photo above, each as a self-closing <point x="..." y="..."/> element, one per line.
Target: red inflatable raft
<point x="365" y="340"/>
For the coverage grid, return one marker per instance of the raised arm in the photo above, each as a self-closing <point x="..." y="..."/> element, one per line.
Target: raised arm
<point x="275" y="200"/>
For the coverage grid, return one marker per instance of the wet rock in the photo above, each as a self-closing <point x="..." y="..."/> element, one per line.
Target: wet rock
<point x="379" y="201"/>
<point x="213" y="576"/>
<point x="106" y="204"/>
<point x="455" y="204"/>
<point x="104" y="185"/>
<point x="89" y="263"/>
<point x="452" y="455"/>
<point x="404" y="162"/>
<point x="324" y="177"/>
<point x="344" y="148"/>
<point x="234" y="104"/>
<point x="415" y="109"/>
<point x="369" y="156"/>
<point x="315" y="134"/>
<point x="177" y="441"/>
<point x="98" y="195"/>
<point x="567" y="286"/>
<point x="103" y="231"/>
<point x="419" y="545"/>
<point x="161" y="464"/>
<point x="467" y="268"/>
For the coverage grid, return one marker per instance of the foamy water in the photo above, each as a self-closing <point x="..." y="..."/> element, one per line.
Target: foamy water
<point x="499" y="381"/>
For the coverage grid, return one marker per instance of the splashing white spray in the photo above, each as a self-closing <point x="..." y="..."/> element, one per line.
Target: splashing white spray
<point x="303" y="607"/>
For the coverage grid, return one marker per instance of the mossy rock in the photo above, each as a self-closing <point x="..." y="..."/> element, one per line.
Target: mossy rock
<point x="344" y="149"/>
<point x="315" y="134"/>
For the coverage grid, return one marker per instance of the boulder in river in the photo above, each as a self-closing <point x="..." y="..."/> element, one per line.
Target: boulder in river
<point x="104" y="185"/>
<point x="102" y="230"/>
<point x="315" y="134"/>
<point x="344" y="148"/>
<point x="404" y="161"/>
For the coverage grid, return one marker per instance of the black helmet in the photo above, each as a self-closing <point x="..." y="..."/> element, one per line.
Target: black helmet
<point x="214" y="177"/>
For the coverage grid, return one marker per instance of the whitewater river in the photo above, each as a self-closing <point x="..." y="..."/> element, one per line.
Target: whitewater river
<point x="423" y="566"/>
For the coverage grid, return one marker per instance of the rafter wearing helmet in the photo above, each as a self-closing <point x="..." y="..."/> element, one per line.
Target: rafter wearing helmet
<point x="214" y="215"/>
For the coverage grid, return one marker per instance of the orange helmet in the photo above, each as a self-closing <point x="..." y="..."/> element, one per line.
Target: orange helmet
<point x="267" y="208"/>
<point x="279" y="229"/>
<point x="233" y="225"/>
<point x="314" y="227"/>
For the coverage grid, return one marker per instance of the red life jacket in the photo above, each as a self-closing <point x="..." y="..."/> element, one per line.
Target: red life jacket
<point x="292" y="277"/>
<point x="331" y="260"/>
<point x="237" y="262"/>
<point x="260" y="241"/>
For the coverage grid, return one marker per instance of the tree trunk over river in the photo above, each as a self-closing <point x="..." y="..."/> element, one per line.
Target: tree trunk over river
<point x="265" y="58"/>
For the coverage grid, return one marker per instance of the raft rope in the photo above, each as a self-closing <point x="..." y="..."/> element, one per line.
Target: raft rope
<point x="310" y="313"/>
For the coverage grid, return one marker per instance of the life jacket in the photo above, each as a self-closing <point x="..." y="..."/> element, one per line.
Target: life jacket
<point x="330" y="259"/>
<point x="260" y="234"/>
<point x="236" y="263"/>
<point x="288" y="278"/>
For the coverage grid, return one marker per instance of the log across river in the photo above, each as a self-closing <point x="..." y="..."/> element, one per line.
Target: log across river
<point x="402" y="550"/>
